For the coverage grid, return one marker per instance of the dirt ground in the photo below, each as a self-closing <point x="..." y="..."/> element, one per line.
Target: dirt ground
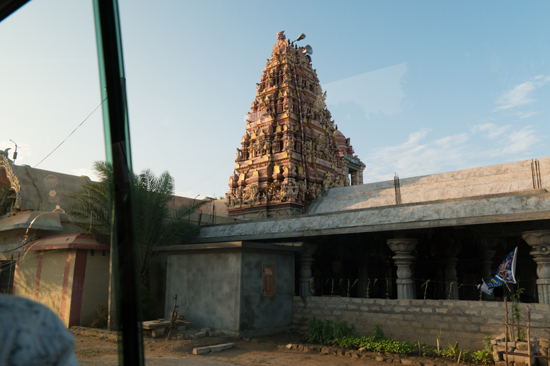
<point x="269" y="350"/>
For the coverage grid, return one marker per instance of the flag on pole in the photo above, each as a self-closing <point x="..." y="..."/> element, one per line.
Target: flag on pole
<point x="506" y="273"/>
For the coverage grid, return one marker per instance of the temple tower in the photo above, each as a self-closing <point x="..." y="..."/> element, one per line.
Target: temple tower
<point x="291" y="151"/>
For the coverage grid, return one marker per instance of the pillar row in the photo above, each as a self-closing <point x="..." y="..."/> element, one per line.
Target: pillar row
<point x="403" y="259"/>
<point x="540" y="241"/>
<point x="451" y="279"/>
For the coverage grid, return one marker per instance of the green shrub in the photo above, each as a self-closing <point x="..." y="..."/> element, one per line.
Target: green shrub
<point x="482" y="356"/>
<point x="386" y="345"/>
<point x="341" y="329"/>
<point x="315" y="331"/>
<point x="329" y="333"/>
<point x="452" y="352"/>
<point x="339" y="334"/>
<point x="325" y="331"/>
<point x="377" y="332"/>
<point x="488" y="344"/>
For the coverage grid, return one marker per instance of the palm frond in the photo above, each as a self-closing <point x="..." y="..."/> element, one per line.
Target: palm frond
<point x="158" y="225"/>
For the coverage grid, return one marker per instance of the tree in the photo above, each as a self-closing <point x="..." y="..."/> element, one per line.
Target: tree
<point x="90" y="208"/>
<point x="158" y="225"/>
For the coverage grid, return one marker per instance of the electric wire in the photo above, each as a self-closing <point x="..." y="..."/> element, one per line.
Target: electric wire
<point x="81" y="123"/>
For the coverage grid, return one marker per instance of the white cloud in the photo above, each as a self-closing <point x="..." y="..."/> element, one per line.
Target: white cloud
<point x="518" y="96"/>
<point x="419" y="156"/>
<point x="493" y="131"/>
<point x="374" y="92"/>
<point x="415" y="156"/>
<point x="524" y="115"/>
<point x="417" y="136"/>
<point x="521" y="94"/>
<point x="519" y="141"/>
<point x="452" y="140"/>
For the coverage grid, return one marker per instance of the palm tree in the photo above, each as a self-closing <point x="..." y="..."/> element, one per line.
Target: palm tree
<point x="158" y="224"/>
<point x="90" y="207"/>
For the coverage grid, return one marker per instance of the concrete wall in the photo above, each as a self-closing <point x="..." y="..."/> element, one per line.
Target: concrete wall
<point x="25" y="274"/>
<point x="460" y="184"/>
<point x="96" y="285"/>
<point x="157" y="282"/>
<point x="40" y="276"/>
<point x="465" y="322"/>
<point x="208" y="287"/>
<point x="48" y="277"/>
<point x="222" y="287"/>
<point x="259" y="311"/>
<point x="50" y="288"/>
<point x="65" y="309"/>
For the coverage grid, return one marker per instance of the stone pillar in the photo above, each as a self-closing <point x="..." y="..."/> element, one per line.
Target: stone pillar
<point x="403" y="259"/>
<point x="540" y="241"/>
<point x="451" y="278"/>
<point x="306" y="260"/>
<point x="353" y="177"/>
<point x="487" y="254"/>
<point x="360" y="174"/>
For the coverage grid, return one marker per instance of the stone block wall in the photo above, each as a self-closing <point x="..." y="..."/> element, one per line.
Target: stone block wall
<point x="465" y="322"/>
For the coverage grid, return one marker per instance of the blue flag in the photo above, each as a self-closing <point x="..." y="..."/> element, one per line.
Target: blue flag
<point x="506" y="273"/>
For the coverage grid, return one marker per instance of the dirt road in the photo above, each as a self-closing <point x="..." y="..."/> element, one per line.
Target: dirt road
<point x="270" y="350"/>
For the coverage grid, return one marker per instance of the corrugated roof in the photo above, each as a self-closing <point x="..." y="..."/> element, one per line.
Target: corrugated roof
<point x="42" y="221"/>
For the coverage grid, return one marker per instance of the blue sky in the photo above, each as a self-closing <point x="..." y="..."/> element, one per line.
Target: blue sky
<point x="420" y="87"/>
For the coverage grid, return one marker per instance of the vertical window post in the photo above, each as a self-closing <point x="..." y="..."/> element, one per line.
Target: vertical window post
<point x="124" y="245"/>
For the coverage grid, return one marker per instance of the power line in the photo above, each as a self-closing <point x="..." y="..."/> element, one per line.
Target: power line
<point x="81" y="123"/>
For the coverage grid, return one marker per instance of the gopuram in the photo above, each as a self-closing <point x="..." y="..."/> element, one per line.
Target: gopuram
<point x="291" y="151"/>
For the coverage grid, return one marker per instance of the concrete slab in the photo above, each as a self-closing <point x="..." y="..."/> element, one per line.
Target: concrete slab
<point x="460" y="184"/>
<point x="200" y="335"/>
<point x="511" y="207"/>
<point x="491" y="194"/>
<point x="209" y="349"/>
<point x="156" y="324"/>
